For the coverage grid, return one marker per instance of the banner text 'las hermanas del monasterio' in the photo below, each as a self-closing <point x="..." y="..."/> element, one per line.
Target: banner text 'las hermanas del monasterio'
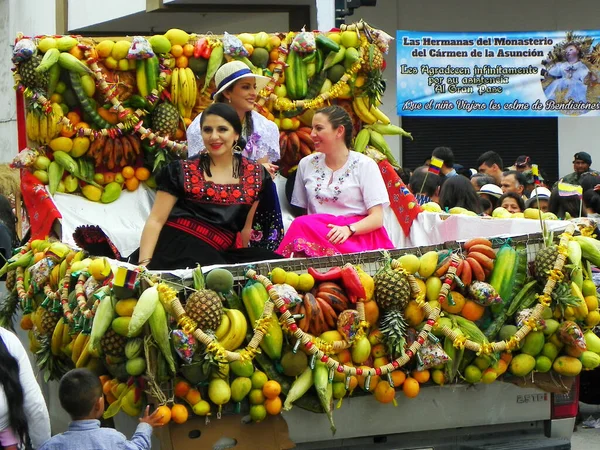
<point x="554" y="73"/>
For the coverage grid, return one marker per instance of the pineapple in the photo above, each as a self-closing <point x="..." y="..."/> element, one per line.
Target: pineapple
<point x="29" y="77"/>
<point x="11" y="279"/>
<point x="204" y="307"/>
<point x="48" y="320"/>
<point x="544" y="263"/>
<point x="113" y="344"/>
<point x="165" y="119"/>
<point x="392" y="294"/>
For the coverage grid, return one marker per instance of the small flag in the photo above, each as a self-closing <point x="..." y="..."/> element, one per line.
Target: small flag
<point x="435" y="165"/>
<point x="569" y="190"/>
<point x="535" y="171"/>
<point x="125" y="278"/>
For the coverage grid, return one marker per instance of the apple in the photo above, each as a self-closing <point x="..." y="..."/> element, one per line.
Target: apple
<point x="501" y="213"/>
<point x="335" y="36"/>
<point x="42" y="162"/>
<point x="119" y="178"/>
<point x="41" y="175"/>
<point x="61" y="187"/>
<point x="109" y="177"/>
<point x="99" y="178"/>
<point x="70" y="183"/>
<point x="280" y="91"/>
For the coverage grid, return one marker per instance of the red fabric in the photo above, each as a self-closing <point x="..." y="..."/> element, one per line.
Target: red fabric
<point x="42" y="210"/>
<point x="403" y="203"/>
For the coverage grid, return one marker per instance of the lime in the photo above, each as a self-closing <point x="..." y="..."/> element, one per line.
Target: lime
<point x="543" y="363"/>
<point x="306" y="282"/>
<point x="278" y="275"/>
<point x="242" y="368"/>
<point x="258" y="379"/>
<point x="258" y="413"/>
<point x="292" y="279"/>
<point x="256" y="397"/>
<point x="472" y="374"/>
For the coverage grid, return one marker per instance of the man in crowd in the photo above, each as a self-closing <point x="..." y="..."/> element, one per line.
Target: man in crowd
<point x="581" y="164"/>
<point x="481" y="179"/>
<point x="522" y="164"/>
<point x="514" y="181"/>
<point x="491" y="164"/>
<point x="446" y="155"/>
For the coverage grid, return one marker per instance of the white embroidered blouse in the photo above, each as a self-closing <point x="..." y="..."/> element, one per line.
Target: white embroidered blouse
<point x="349" y="191"/>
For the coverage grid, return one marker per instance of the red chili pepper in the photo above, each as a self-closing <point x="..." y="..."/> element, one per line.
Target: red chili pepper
<point x="199" y="47"/>
<point x="206" y="51"/>
<point x="352" y="284"/>
<point x="332" y="274"/>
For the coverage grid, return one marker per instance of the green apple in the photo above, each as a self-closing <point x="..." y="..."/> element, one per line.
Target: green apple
<point x="61" y="187"/>
<point x="280" y="91"/>
<point x="349" y="39"/>
<point x="60" y="87"/>
<point x="71" y="183"/>
<point x="42" y="162"/>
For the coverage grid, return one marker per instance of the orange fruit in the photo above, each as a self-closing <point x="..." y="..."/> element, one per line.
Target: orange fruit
<point x="193" y="396"/>
<point x="176" y="50"/>
<point x="459" y="301"/>
<point x="26" y="322"/>
<point x="422" y="376"/>
<point x="132" y="184"/>
<point x="375" y="379"/>
<point x="142" y="174"/>
<point x="182" y="387"/>
<point x="165" y="412"/>
<point x="179" y="134"/>
<point x="384" y="393"/>
<point x="83" y="125"/>
<point x="181" y="62"/>
<point x="188" y="50"/>
<point x="107" y="386"/>
<point x="472" y="311"/>
<point x="179" y="413"/>
<point x="273" y="406"/>
<point x="411" y="387"/>
<point x="128" y="172"/>
<point x="398" y="377"/>
<point x="56" y="98"/>
<point x="353" y="383"/>
<point x="249" y="48"/>
<point x="274" y="55"/>
<point x="110" y="398"/>
<point x="74" y="118"/>
<point x="77" y="52"/>
<point x="371" y="312"/>
<point x="65" y="132"/>
<point x="271" y="389"/>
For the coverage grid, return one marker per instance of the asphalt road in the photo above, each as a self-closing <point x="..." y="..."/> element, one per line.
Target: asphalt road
<point x="586" y="438"/>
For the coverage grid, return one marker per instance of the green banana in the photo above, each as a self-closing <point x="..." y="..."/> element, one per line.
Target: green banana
<point x="254" y="297"/>
<point x="53" y="78"/>
<point x="140" y="77"/>
<point x="18" y="260"/>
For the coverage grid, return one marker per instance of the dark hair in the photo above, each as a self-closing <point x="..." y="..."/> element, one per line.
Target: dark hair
<point x="515" y="197"/>
<point x="338" y="116"/>
<point x="485" y="205"/>
<point x="8" y="218"/>
<point x="445" y="154"/>
<point x="420" y="175"/>
<point x="458" y="191"/>
<point x="489" y="159"/>
<point x="404" y="174"/>
<point x="229" y="114"/>
<point x="78" y="392"/>
<point x="481" y="179"/>
<point x="15" y="398"/>
<point x="520" y="177"/>
<point x="220" y="98"/>
<point x="591" y="199"/>
<point x="562" y="205"/>
<point x="588" y="181"/>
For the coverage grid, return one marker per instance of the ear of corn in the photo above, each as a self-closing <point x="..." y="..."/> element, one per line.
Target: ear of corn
<point x="160" y="332"/>
<point x="143" y="310"/>
<point x="590" y="249"/>
<point x="102" y="320"/>
<point x="324" y="390"/>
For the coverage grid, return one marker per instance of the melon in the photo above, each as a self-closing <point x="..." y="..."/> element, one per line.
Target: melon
<point x="219" y="280"/>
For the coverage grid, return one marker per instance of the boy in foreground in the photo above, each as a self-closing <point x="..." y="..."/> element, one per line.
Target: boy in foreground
<point x="80" y="394"/>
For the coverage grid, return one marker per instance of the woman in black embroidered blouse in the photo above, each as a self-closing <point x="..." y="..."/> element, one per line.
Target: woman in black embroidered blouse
<point x="203" y="204"/>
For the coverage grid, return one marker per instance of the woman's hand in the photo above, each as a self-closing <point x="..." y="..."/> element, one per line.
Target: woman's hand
<point x="338" y="234"/>
<point x="271" y="168"/>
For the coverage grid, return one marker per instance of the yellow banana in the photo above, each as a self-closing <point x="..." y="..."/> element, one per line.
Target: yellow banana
<point x="78" y="346"/>
<point x="193" y="86"/>
<point x="84" y="356"/>
<point x="379" y="115"/>
<point x="361" y="110"/>
<point x="43" y="130"/>
<point x="56" y="117"/>
<point x="66" y="337"/>
<point x="224" y="327"/>
<point x="237" y="332"/>
<point x="34" y="127"/>
<point x="175" y="86"/>
<point x="184" y="92"/>
<point x="57" y="336"/>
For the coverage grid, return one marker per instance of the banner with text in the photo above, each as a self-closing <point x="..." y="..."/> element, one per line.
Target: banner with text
<point x="498" y="74"/>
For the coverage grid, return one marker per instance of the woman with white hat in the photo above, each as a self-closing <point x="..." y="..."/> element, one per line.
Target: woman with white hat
<point x="238" y="86"/>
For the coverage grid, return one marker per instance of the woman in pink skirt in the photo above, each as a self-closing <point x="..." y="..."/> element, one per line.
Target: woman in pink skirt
<point x="343" y="194"/>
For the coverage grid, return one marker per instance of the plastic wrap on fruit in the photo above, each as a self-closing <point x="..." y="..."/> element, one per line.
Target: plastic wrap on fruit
<point x="288" y="294"/>
<point x="40" y="273"/>
<point x="304" y="43"/>
<point x="430" y="354"/>
<point x="184" y="344"/>
<point x="140" y="49"/>
<point x="90" y="286"/>
<point x="25" y="158"/>
<point x="233" y="46"/>
<point x="380" y="37"/>
<point x="23" y="50"/>
<point x="348" y="323"/>
<point x="484" y="293"/>
<point x="570" y="334"/>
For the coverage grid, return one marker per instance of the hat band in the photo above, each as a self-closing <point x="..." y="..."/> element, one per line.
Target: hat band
<point x="233" y="76"/>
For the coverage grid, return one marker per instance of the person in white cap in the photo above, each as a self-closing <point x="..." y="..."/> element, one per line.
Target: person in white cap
<point x="539" y="196"/>
<point x="238" y="86"/>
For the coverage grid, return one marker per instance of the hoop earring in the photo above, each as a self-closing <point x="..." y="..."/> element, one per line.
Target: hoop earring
<point x="236" y="148"/>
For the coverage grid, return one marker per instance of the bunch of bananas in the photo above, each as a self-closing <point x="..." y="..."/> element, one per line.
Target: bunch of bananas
<point x="184" y="90"/>
<point x="368" y="114"/>
<point x="232" y="330"/>
<point x="43" y="128"/>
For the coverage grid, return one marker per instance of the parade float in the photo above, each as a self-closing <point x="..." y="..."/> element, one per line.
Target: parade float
<point x="100" y="115"/>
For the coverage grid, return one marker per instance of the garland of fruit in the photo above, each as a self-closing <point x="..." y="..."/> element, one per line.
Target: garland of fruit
<point x="332" y="330"/>
<point x="108" y="113"/>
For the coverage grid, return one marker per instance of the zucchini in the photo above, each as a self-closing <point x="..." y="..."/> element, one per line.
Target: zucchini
<point x="502" y="278"/>
<point x="319" y="61"/>
<point x="520" y="271"/>
<point x="326" y="43"/>
<point x="316" y="84"/>
<point x="152" y="70"/>
<point x="290" y="78"/>
<point x="85" y="102"/>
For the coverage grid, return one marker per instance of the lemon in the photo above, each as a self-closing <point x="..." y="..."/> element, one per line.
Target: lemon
<point x="278" y="275"/>
<point x="473" y="374"/>
<point x="258" y="413"/>
<point x="99" y="268"/>
<point x="258" y="379"/>
<point x="305" y="282"/>
<point x="292" y="279"/>
<point x="410" y="263"/>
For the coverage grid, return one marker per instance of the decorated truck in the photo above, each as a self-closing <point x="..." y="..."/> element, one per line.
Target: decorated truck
<point x="451" y="346"/>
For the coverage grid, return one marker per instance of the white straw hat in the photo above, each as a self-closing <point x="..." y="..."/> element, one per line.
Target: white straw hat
<point x="232" y="71"/>
<point x="491" y="189"/>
